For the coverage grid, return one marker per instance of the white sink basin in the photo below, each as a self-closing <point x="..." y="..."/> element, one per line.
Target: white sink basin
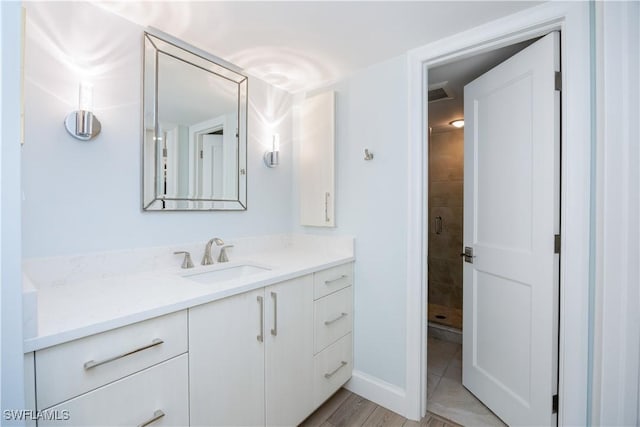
<point x="226" y="273"/>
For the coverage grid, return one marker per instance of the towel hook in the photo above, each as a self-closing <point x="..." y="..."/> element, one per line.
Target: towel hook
<point x="368" y="155"/>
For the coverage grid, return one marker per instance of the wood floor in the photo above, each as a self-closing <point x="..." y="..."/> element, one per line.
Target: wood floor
<point x="346" y="409"/>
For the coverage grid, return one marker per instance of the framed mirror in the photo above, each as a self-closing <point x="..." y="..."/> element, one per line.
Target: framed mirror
<point x="194" y="129"/>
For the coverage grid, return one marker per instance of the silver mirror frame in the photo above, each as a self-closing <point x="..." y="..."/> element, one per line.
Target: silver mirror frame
<point x="160" y="202"/>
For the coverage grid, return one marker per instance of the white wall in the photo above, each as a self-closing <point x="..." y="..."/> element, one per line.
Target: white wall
<point x="371" y="204"/>
<point x="11" y="366"/>
<point x="85" y="196"/>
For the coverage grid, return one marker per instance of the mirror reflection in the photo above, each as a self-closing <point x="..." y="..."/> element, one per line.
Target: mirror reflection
<point x="194" y="130"/>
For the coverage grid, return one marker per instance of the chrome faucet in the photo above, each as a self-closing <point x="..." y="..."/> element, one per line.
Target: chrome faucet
<point x="206" y="258"/>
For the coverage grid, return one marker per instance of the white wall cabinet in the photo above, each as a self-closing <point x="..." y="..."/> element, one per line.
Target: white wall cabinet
<point x="251" y="355"/>
<point x="317" y="160"/>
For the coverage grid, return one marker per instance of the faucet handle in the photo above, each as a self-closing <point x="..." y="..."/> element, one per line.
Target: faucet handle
<point x="186" y="263"/>
<point x="223" y="253"/>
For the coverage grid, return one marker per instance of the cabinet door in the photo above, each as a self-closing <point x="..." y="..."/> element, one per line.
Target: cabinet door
<point x="157" y="396"/>
<point x="226" y="361"/>
<point x="289" y="351"/>
<point x="317" y="147"/>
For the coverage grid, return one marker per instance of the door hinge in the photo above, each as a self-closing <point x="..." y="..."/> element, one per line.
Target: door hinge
<point x="556" y="244"/>
<point x="202" y="154"/>
<point x="558" y="81"/>
<point x="554" y="404"/>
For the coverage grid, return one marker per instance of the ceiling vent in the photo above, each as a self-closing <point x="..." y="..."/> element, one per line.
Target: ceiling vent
<point x="439" y="92"/>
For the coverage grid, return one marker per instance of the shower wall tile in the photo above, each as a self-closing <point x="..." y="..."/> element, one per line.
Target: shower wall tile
<point x="440" y="293"/>
<point x="447" y="244"/>
<point x="446" y="173"/>
<point x="445" y="193"/>
<point x="446" y="156"/>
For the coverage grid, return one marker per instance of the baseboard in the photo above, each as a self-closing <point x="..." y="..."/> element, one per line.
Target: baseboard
<point x="378" y="391"/>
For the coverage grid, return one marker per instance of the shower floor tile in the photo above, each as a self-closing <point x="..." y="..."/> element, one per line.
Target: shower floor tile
<point x="445" y="315"/>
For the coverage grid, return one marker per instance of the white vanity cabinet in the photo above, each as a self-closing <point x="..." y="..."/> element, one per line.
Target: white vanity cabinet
<point x="251" y="356"/>
<point x="157" y="396"/>
<point x="226" y="360"/>
<point x="266" y="357"/>
<point x="289" y="351"/>
<point x="333" y="326"/>
<point x="125" y="376"/>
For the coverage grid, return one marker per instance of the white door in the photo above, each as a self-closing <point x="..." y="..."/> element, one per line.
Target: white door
<point x="511" y="214"/>
<point x="212" y="158"/>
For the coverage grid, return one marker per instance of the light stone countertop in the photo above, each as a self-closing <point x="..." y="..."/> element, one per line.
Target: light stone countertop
<point x="77" y="309"/>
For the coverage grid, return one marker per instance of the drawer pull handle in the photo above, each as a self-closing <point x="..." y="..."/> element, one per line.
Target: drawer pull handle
<point x="332" y="373"/>
<point x="328" y="322"/>
<point x="156" y="416"/>
<point x="328" y="282"/>
<point x="260" y="336"/>
<point x="92" y="364"/>
<point x="274" y="331"/>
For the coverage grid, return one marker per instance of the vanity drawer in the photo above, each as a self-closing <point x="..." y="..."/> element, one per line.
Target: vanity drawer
<point x="332" y="279"/>
<point x="71" y="369"/>
<point x="333" y="317"/>
<point x="161" y="392"/>
<point x="332" y="368"/>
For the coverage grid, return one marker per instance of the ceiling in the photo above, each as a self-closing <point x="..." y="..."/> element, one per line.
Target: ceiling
<point x="303" y="45"/>
<point x="456" y="75"/>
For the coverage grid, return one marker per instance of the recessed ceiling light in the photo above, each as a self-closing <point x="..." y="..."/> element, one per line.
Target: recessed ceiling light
<point x="457" y="123"/>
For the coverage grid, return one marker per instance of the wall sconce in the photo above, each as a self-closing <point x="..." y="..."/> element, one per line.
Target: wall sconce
<point x="457" y="123"/>
<point x="272" y="158"/>
<point x="82" y="124"/>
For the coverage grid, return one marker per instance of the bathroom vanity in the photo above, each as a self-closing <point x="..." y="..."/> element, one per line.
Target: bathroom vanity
<point x="263" y="339"/>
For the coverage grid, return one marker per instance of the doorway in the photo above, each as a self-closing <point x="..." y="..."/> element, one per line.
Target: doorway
<point x="445" y="394"/>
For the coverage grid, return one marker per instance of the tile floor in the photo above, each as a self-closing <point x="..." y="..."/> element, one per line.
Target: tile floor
<point x="446" y="396"/>
<point x="449" y="404"/>
<point x="346" y="409"/>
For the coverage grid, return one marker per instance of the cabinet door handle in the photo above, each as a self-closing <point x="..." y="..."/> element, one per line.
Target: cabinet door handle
<point x="326" y="206"/>
<point x="328" y="282"/>
<point x="92" y="364"/>
<point x="328" y="322"/>
<point x="274" y="331"/>
<point x="332" y="373"/>
<point x="156" y="416"/>
<point x="260" y="336"/>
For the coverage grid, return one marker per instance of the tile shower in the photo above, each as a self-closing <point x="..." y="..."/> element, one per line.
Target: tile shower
<point x="445" y="227"/>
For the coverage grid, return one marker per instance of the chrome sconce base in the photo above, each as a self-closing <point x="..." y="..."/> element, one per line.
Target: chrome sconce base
<point x="82" y="125"/>
<point x="272" y="158"/>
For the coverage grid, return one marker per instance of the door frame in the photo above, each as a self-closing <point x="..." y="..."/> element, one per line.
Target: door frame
<point x="573" y="22"/>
